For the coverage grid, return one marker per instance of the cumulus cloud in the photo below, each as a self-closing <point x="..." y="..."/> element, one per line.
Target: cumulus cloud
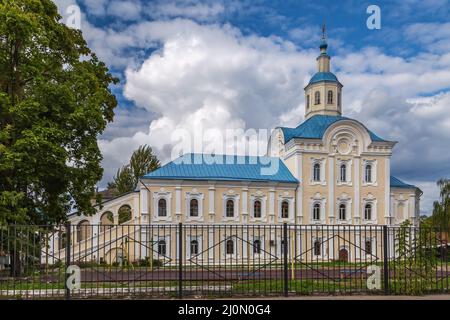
<point x="184" y="75"/>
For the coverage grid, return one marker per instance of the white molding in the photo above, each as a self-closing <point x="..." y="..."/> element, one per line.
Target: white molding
<point x="162" y="194"/>
<point x="230" y="195"/>
<point x="374" y="182"/>
<point x="344" y="198"/>
<point x="322" y="200"/>
<point x="291" y="202"/>
<point x="370" y="199"/>
<point x="263" y="198"/>
<point x="197" y="196"/>
<point x="322" y="162"/>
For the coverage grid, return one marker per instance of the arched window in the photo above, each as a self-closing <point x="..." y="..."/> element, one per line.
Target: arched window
<point x="230" y="208"/>
<point x="343" y="171"/>
<point x="368" y="173"/>
<point x="317" y="248"/>
<point x="368" y="246"/>
<point x="124" y="214"/>
<point x="106" y="221"/>
<point x="284" y="209"/>
<point x="257" y="209"/>
<point x="339" y="99"/>
<point x="193" y="210"/>
<point x="257" y="246"/>
<point x="83" y="230"/>
<point x="316" y="172"/>
<point x="194" y="247"/>
<point x="342" y="211"/>
<point x="162" y="247"/>
<point x="230" y="247"/>
<point x="316" y="211"/>
<point x="330" y="97"/>
<point x="368" y="212"/>
<point x="162" y="208"/>
<point x="317" y="97"/>
<point x="307" y="101"/>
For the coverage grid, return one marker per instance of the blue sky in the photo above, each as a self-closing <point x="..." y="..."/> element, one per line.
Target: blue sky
<point x="243" y="64"/>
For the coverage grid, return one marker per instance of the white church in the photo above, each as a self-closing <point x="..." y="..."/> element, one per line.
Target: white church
<point x="331" y="170"/>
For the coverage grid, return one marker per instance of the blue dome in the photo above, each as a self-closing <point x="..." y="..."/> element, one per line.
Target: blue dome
<point x="323" y="76"/>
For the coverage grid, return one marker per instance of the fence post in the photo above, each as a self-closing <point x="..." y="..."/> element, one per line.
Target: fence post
<point x="385" y="260"/>
<point x="180" y="260"/>
<point x="285" y="256"/>
<point x="68" y="245"/>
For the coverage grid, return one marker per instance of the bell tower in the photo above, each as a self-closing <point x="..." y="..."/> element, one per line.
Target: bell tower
<point x="323" y="94"/>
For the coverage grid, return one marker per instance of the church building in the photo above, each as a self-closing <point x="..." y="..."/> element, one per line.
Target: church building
<point x="329" y="170"/>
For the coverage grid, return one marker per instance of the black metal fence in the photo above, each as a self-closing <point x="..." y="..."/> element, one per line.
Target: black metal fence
<point x="176" y="260"/>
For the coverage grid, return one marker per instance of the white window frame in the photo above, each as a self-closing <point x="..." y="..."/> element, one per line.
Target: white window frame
<point x="199" y="197"/>
<point x="323" y="253"/>
<point x="235" y="198"/>
<point x="156" y="239"/>
<point x="199" y="239"/>
<point x="373" y="202"/>
<point x="322" y="163"/>
<point x="291" y="202"/>
<point x="374" y="181"/>
<point x="166" y="196"/>
<point x="373" y="241"/>
<point x="224" y="253"/>
<point x="263" y="200"/>
<point x="318" y="198"/>
<point x="348" y="172"/>
<point x="253" y="239"/>
<point x="344" y="199"/>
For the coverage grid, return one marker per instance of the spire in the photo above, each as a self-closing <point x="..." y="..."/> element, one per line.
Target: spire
<point x="323" y="43"/>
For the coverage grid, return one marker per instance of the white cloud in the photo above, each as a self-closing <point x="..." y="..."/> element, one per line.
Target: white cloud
<point x="211" y="75"/>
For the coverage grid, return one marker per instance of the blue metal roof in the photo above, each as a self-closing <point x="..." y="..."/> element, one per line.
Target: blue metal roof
<point x="323" y="76"/>
<point x="315" y="127"/>
<point x="224" y="167"/>
<point x="397" y="183"/>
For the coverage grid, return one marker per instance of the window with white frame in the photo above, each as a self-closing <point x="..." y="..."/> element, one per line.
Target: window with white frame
<point x="229" y="247"/>
<point x="194" y="247"/>
<point x="257" y="209"/>
<point x="316" y="211"/>
<point x="284" y="209"/>
<point x="368" y="215"/>
<point x="343" y="173"/>
<point x="342" y="211"/>
<point x="230" y="206"/>
<point x="317" y="247"/>
<point x="317" y="97"/>
<point x="256" y="246"/>
<point x="162" y="247"/>
<point x="369" y="172"/>
<point x="193" y="208"/>
<point x="330" y="97"/>
<point x="316" y="172"/>
<point x="162" y="207"/>
<point x="368" y="246"/>
<point x="229" y="213"/>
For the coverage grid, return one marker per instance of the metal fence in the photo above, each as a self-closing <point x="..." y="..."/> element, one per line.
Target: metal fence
<point x="111" y="261"/>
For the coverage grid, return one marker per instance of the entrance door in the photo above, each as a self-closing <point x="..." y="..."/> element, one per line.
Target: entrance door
<point x="343" y="255"/>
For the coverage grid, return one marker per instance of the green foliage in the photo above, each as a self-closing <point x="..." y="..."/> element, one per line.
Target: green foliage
<point x="416" y="258"/>
<point x="54" y="102"/>
<point x="441" y="209"/>
<point x="142" y="162"/>
<point x="124" y="181"/>
<point x="124" y="214"/>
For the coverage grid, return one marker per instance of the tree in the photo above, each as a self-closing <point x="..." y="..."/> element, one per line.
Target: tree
<point x="142" y="161"/>
<point x="54" y="102"/>
<point x="124" y="180"/>
<point x="441" y="208"/>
